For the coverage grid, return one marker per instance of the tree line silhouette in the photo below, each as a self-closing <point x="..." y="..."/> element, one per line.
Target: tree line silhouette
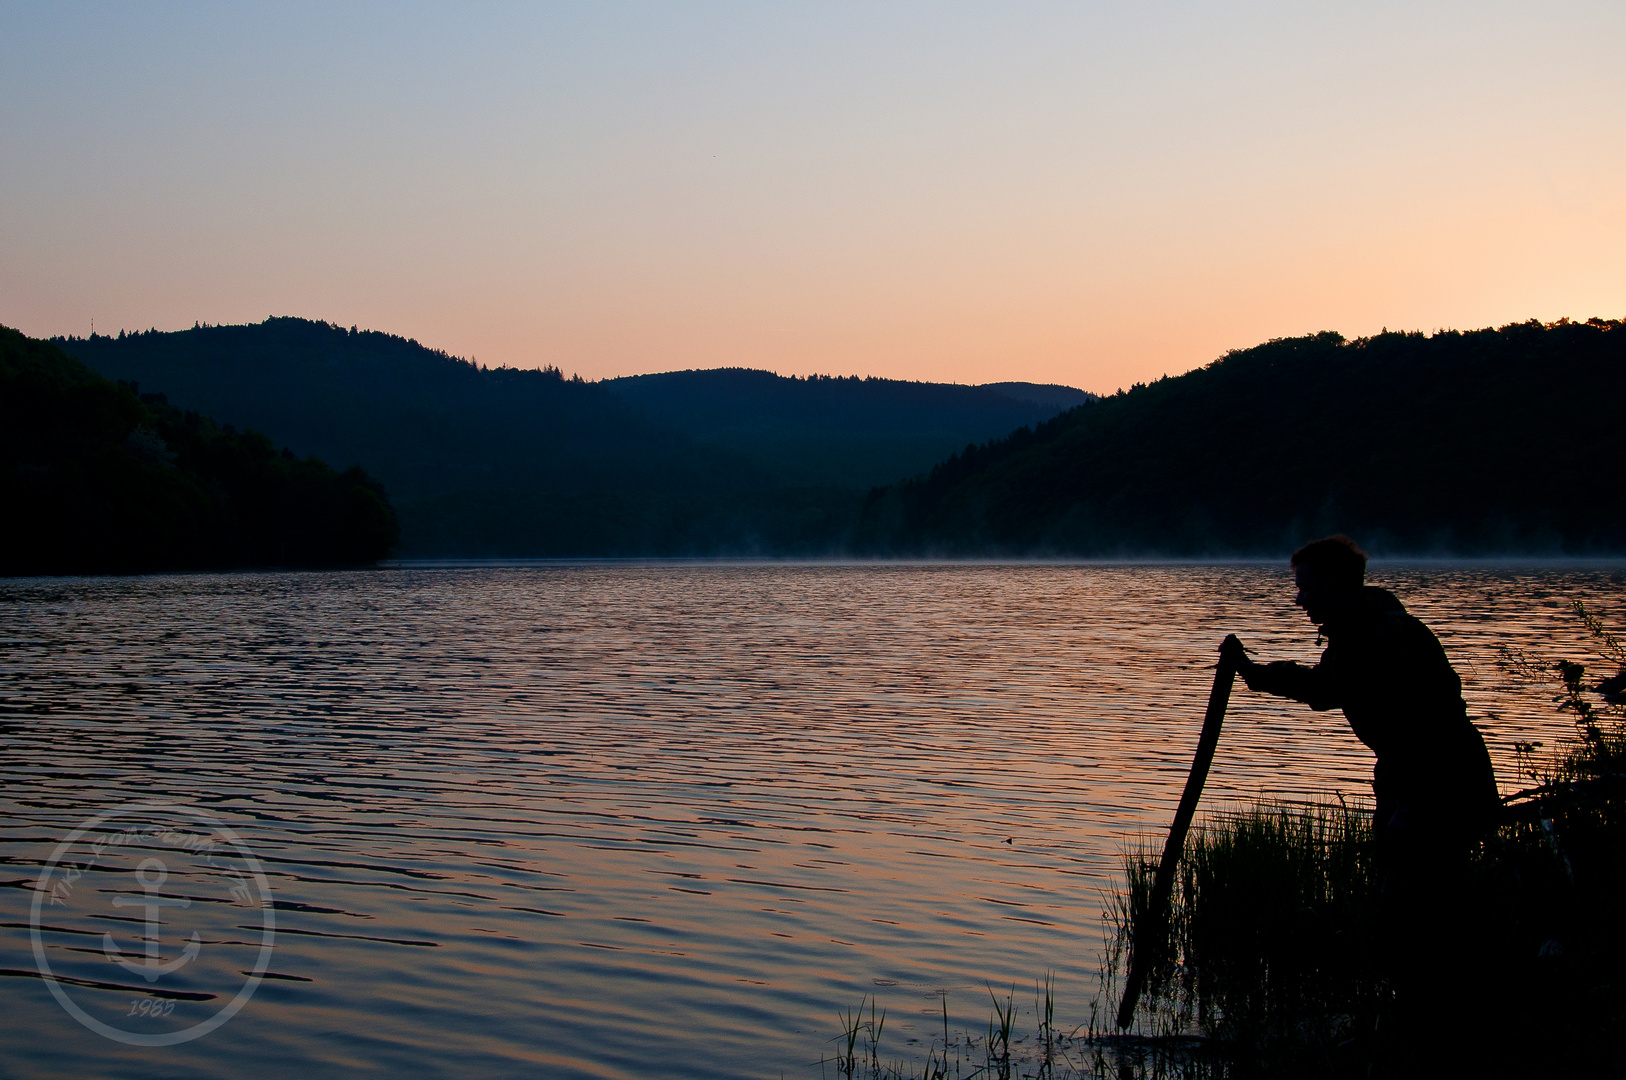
<point x="1479" y="442"/>
<point x="100" y="478"/>
<point x="500" y="461"/>
<point x="1456" y="443"/>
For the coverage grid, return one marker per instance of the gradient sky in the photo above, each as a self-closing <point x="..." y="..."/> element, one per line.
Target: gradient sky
<point x="1090" y="194"/>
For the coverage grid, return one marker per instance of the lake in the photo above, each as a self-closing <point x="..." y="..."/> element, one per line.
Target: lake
<point x="624" y="819"/>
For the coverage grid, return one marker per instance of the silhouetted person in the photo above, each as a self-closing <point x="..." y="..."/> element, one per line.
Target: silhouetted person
<point x="1435" y="788"/>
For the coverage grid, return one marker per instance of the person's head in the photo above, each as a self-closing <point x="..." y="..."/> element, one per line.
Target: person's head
<point x="1329" y="573"/>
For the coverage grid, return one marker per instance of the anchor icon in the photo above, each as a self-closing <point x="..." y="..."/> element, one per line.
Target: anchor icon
<point x="151" y="873"/>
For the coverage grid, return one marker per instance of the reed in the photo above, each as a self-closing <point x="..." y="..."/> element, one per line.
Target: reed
<point x="1007" y="1050"/>
<point x="1270" y="935"/>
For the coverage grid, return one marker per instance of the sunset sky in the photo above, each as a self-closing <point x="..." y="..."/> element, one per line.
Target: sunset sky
<point x="1090" y="194"/>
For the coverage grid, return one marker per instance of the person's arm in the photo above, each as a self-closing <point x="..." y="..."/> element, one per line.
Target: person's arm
<point x="1314" y="686"/>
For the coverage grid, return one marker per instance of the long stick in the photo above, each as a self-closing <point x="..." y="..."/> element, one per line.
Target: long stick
<point x="1153" y="928"/>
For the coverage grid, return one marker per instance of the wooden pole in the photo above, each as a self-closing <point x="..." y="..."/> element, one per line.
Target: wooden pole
<point x="1153" y="928"/>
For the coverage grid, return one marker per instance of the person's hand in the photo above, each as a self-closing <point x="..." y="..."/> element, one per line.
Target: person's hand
<point x="1232" y="652"/>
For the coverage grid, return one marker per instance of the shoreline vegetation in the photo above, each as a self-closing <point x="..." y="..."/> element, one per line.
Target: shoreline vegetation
<point x="100" y="478"/>
<point x="1274" y="964"/>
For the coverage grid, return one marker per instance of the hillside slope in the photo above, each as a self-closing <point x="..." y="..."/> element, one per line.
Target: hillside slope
<point x="425" y="422"/>
<point x="482" y="462"/>
<point x="1488" y="441"/>
<point x="98" y="480"/>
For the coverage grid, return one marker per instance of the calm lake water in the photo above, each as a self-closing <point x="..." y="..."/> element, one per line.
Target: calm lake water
<point x="617" y="820"/>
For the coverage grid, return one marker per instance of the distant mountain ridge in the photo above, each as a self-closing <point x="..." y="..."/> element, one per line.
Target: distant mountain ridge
<point x="523" y="462"/>
<point x="423" y="421"/>
<point x="841" y="431"/>
<point x="1480" y="442"/>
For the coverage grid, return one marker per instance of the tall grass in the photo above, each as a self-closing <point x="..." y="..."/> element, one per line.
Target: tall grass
<point x="1271" y="940"/>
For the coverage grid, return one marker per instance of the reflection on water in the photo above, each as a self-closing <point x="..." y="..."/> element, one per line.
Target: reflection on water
<point x="633" y="820"/>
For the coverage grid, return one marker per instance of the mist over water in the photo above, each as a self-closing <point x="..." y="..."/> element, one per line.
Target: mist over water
<point x="639" y="819"/>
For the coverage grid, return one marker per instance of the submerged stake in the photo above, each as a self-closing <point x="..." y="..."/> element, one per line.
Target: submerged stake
<point x="1150" y="934"/>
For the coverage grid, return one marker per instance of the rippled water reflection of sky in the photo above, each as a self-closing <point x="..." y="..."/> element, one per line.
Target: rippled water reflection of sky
<point x="631" y="820"/>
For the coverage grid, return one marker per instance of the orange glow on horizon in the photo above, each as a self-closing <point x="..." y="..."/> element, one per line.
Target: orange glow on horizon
<point x="1093" y="198"/>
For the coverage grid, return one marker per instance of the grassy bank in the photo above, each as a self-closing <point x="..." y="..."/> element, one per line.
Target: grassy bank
<point x="1271" y="942"/>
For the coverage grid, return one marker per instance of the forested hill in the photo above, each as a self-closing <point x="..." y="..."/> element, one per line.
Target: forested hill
<point x="425" y="422"/>
<point x="844" y="432"/>
<point x="1490" y="441"/>
<point x="511" y="462"/>
<point x="96" y="479"/>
